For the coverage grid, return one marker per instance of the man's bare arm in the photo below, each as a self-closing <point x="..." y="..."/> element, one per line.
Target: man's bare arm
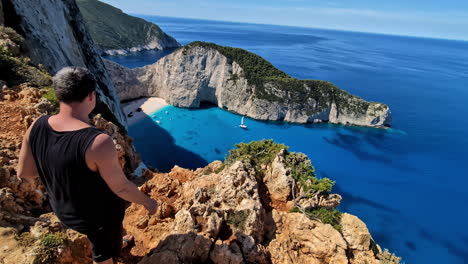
<point x="26" y="167"/>
<point x="103" y="153"/>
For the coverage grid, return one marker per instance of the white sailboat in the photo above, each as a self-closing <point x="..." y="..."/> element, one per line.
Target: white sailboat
<point x="242" y="123"/>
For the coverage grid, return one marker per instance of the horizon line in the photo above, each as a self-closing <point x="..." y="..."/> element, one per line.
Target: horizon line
<point x="308" y="27"/>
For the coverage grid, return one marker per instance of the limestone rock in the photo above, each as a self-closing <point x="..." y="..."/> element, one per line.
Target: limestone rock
<point x="301" y="240"/>
<point x="355" y="232"/>
<point x="278" y="180"/>
<point x="195" y="74"/>
<point x="11" y="251"/>
<point x="27" y="247"/>
<point x="222" y="213"/>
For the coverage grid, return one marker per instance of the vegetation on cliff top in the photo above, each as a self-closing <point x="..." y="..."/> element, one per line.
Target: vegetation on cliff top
<point x="16" y="69"/>
<point x="110" y="28"/>
<point x="262" y="153"/>
<point x="263" y="75"/>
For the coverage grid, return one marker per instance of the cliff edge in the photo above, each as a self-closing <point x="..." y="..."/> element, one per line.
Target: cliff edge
<point x="263" y="204"/>
<point x="245" y="83"/>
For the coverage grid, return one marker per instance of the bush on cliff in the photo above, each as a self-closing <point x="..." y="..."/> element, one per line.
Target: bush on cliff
<point x="49" y="246"/>
<point x="256" y="152"/>
<point x="328" y="216"/>
<point x="50" y="96"/>
<point x="15" y="69"/>
<point x="261" y="153"/>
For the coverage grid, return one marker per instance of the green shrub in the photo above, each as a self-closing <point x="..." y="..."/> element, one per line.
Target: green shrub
<point x="256" y="152"/>
<point x="15" y="69"/>
<point x="237" y="219"/>
<point x="221" y="168"/>
<point x="50" y="95"/>
<point x="295" y="210"/>
<point x="304" y="173"/>
<point x="207" y="171"/>
<point x="48" y="247"/>
<point x="263" y="152"/>
<point x="327" y="216"/>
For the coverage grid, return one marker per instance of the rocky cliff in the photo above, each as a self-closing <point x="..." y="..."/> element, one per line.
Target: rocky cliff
<point x="117" y="33"/>
<point x="244" y="83"/>
<point x="55" y="36"/>
<point x="245" y="210"/>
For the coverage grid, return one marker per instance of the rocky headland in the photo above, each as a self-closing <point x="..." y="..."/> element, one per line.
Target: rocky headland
<point x="244" y="83"/>
<point x="263" y="204"/>
<point x="117" y="33"/>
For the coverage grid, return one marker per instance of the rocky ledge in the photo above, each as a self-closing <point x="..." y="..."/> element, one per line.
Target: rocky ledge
<point x="244" y="83"/>
<point x="265" y="208"/>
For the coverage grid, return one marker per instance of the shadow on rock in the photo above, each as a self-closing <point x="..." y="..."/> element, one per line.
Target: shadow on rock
<point x="158" y="148"/>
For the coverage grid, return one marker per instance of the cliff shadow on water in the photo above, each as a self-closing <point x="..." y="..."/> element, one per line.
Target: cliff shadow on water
<point x="158" y="148"/>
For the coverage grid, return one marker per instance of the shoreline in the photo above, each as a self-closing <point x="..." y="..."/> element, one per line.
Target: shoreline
<point x="148" y="106"/>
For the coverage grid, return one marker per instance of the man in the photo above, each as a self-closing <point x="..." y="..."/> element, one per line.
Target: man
<point x="79" y="167"/>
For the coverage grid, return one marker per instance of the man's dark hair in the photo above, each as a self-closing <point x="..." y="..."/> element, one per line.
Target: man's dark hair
<point x="73" y="84"/>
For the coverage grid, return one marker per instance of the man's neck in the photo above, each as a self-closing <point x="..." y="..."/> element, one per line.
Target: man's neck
<point x="69" y="112"/>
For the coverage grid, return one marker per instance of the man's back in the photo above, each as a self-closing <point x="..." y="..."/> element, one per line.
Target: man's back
<point x="79" y="196"/>
<point x="79" y="166"/>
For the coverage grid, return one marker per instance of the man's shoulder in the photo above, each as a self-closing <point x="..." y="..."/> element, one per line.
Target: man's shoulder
<point x="101" y="143"/>
<point x="32" y="126"/>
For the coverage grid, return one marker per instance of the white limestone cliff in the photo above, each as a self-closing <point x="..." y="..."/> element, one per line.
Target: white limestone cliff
<point x="196" y="74"/>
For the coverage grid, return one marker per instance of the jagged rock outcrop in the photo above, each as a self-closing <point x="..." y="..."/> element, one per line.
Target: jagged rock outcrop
<point x="55" y="36"/>
<point x="226" y="213"/>
<point x="244" y="83"/>
<point x="117" y="33"/>
<point x="47" y="241"/>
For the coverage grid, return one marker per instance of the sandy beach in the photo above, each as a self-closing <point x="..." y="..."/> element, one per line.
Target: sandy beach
<point x="148" y="105"/>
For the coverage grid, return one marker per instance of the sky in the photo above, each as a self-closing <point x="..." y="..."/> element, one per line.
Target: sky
<point x="428" y="18"/>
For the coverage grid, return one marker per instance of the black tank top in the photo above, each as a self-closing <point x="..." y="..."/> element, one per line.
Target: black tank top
<point x="79" y="196"/>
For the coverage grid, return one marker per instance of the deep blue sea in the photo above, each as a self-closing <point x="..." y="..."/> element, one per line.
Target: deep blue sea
<point x="408" y="184"/>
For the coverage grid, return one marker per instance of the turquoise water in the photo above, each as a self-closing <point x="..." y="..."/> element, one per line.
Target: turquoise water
<point x="407" y="183"/>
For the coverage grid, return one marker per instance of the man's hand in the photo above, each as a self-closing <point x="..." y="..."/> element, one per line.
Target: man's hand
<point x="151" y="205"/>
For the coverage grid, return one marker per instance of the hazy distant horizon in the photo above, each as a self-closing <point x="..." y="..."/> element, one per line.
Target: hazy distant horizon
<point x="318" y="28"/>
<point x="417" y="18"/>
